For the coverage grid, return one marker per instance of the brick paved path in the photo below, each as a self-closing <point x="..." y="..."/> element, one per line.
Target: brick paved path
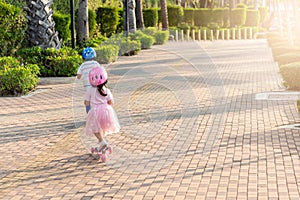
<point x="191" y="129"/>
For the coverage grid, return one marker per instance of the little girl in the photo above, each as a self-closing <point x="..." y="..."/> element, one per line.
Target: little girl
<point x="101" y="119"/>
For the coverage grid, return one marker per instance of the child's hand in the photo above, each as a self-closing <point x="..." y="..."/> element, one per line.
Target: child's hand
<point x="87" y="103"/>
<point x="110" y="102"/>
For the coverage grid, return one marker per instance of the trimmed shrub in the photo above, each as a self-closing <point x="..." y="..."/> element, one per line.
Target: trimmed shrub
<point x="253" y="18"/>
<point x="92" y="22"/>
<point x="189" y="15"/>
<point x="120" y="26"/>
<point x="161" y="37"/>
<point x="175" y="15"/>
<point x="202" y="17"/>
<point x="126" y="46"/>
<point x="52" y="62"/>
<point x="12" y="29"/>
<point x="107" y="53"/>
<point x="150" y="16"/>
<point x="238" y="17"/>
<point x="146" y="41"/>
<point x="150" y="31"/>
<point x="217" y="16"/>
<point x="62" y="25"/>
<point x="291" y="75"/>
<point x="17" y="79"/>
<point x="108" y="20"/>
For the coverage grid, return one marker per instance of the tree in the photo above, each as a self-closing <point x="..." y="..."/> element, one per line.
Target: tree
<point x="139" y="15"/>
<point x="82" y="22"/>
<point x="164" y="14"/>
<point x="41" y="30"/>
<point x="132" y="17"/>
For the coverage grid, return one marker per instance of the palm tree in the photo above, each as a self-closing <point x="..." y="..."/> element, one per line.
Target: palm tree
<point x="41" y="30"/>
<point x="82" y="22"/>
<point x="132" y="17"/>
<point x="139" y="14"/>
<point x="164" y="14"/>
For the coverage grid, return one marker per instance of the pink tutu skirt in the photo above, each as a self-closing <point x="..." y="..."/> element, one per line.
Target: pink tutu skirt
<point x="102" y="118"/>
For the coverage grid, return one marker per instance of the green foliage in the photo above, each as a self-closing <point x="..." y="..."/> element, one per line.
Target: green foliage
<point x="17" y="79"/>
<point x="150" y="31"/>
<point x="52" y="62"/>
<point x="150" y="16"/>
<point x="238" y="17"/>
<point x="241" y="5"/>
<point x="146" y="41"/>
<point x="183" y="26"/>
<point x="202" y="16"/>
<point x="189" y="16"/>
<point x="107" y="53"/>
<point x="62" y="25"/>
<point x="12" y="29"/>
<point x="120" y="26"/>
<point x="61" y="66"/>
<point x="217" y="16"/>
<point x="17" y="3"/>
<point x="126" y="46"/>
<point x="291" y="75"/>
<point x="253" y="18"/>
<point x="175" y="15"/>
<point x="107" y="19"/>
<point x="161" y="37"/>
<point x="92" y="22"/>
<point x="63" y="6"/>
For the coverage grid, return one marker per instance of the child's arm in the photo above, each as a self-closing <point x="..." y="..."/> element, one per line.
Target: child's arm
<point x="110" y="102"/>
<point x="87" y="103"/>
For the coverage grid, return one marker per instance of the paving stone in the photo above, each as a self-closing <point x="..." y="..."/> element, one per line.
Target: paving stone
<point x="192" y="128"/>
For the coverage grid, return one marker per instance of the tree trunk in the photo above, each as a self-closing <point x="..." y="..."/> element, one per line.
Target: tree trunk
<point x="82" y="22"/>
<point x="164" y="14"/>
<point x="139" y="15"/>
<point x="132" y="17"/>
<point x="41" y="26"/>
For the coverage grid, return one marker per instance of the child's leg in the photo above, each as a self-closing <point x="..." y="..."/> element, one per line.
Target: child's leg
<point x="99" y="136"/>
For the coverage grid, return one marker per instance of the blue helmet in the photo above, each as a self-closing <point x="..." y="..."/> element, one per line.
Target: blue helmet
<point x="88" y="53"/>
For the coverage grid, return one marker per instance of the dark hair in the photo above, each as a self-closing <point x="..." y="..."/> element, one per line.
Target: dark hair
<point x="100" y="88"/>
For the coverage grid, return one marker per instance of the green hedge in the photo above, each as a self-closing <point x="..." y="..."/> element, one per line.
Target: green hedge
<point x="107" y="53"/>
<point x="202" y="17"/>
<point x="92" y="22"/>
<point x="238" y="17"/>
<point x="189" y="15"/>
<point x="62" y="25"/>
<point x="291" y="75"/>
<point x="12" y="29"/>
<point x="217" y="16"/>
<point x="150" y="16"/>
<point x="161" y="37"/>
<point x="175" y="15"/>
<point x="17" y="79"/>
<point x="107" y="20"/>
<point x="126" y="46"/>
<point x="146" y="40"/>
<point x="52" y="62"/>
<point x="252" y="18"/>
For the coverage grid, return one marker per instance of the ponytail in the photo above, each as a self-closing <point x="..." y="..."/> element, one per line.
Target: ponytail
<point x="100" y="89"/>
